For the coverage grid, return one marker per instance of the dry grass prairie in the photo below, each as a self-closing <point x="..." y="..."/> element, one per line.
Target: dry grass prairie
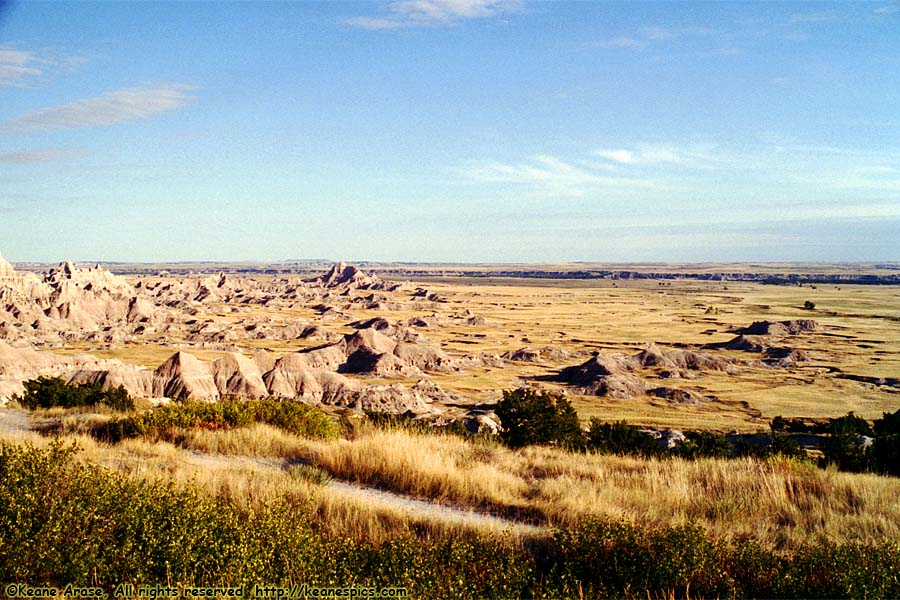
<point x="861" y="337"/>
<point x="781" y="503"/>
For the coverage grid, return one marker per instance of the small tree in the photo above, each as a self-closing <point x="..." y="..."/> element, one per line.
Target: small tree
<point x="843" y="446"/>
<point x="538" y="417"/>
<point x="809" y="305"/>
<point x="888" y="424"/>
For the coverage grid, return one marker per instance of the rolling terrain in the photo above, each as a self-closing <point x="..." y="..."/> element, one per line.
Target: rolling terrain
<point x="677" y="351"/>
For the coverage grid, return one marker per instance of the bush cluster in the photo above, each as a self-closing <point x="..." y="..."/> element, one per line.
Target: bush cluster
<point x="843" y="445"/>
<point x="616" y="559"/>
<point x="51" y="392"/>
<point x="537" y="417"/>
<point x="408" y="422"/>
<point x="623" y="439"/>
<point x="63" y="522"/>
<point x="167" y="421"/>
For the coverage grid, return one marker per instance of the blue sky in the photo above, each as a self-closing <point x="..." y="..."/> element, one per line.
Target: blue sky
<point x="450" y="130"/>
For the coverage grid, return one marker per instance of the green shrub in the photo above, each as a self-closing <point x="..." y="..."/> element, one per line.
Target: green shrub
<point x="885" y="454"/>
<point x="845" y="451"/>
<point x="51" y="392"/>
<point x="610" y="558"/>
<point x="786" y="445"/>
<point x="780" y="424"/>
<point x="849" y="424"/>
<point x="888" y="424"/>
<point x="292" y="416"/>
<point x="63" y="522"/>
<point x="623" y="439"/>
<point x="538" y="417"/>
<point x="842" y="446"/>
<point x="830" y="570"/>
<point x="704" y="444"/>
<point x="165" y="422"/>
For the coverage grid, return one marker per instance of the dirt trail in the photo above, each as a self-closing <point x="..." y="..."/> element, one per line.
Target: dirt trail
<point x="14" y="421"/>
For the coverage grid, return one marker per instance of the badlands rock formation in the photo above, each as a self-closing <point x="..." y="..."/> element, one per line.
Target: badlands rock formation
<point x="532" y="355"/>
<point x="19" y="364"/>
<point x="89" y="304"/>
<point x="6" y="269"/>
<point x="772" y="339"/>
<point x="619" y="376"/>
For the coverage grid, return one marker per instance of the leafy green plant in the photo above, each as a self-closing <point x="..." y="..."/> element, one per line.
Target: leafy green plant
<point x="165" y="422"/>
<point x="785" y="445"/>
<point x="705" y="444"/>
<point x="781" y="424"/>
<point x="849" y="424"/>
<point x="886" y="454"/>
<point x="537" y="417"/>
<point x="51" y="392"/>
<point x="842" y="447"/>
<point x="888" y="424"/>
<point x="621" y="438"/>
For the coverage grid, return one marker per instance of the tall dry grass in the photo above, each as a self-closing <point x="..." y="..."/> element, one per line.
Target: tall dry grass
<point x="780" y="502"/>
<point x="260" y="478"/>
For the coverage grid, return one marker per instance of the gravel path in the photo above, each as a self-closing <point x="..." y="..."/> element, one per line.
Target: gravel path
<point x="13" y="420"/>
<point x="442" y="511"/>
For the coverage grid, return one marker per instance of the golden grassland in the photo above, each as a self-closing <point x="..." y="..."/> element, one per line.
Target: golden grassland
<point x="778" y="502"/>
<point x="255" y="483"/>
<point x="862" y="337"/>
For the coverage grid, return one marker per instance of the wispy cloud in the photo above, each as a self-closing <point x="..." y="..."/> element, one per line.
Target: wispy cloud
<point x="621" y="42"/>
<point x="25" y="157"/>
<point x="879" y="178"/>
<point x="671" y="33"/>
<point x="647" y="36"/>
<point x="127" y="104"/>
<point x="18" y="67"/>
<point x="751" y="174"/>
<point x="816" y="17"/>
<point x="662" y="154"/>
<point x="887" y="10"/>
<point x="550" y="175"/>
<point x="431" y="13"/>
